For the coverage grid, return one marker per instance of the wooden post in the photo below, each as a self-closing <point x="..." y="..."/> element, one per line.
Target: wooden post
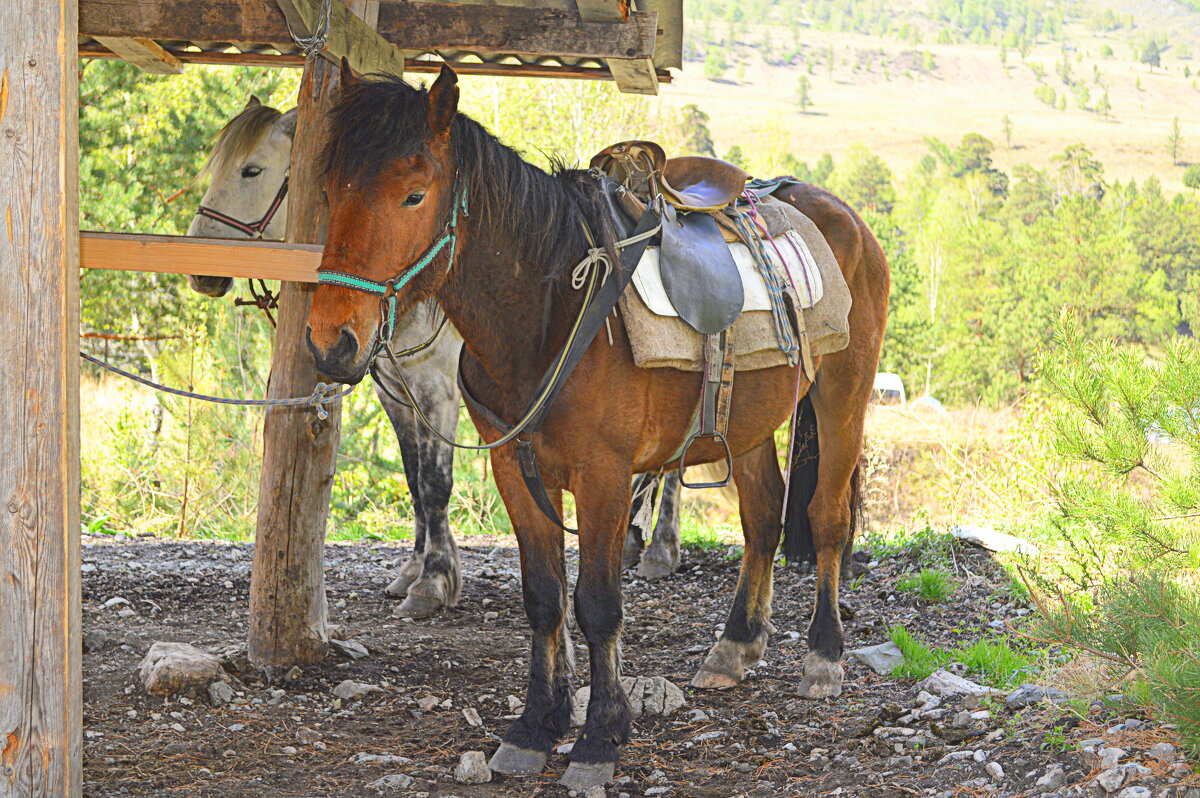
<point x="40" y="677"/>
<point x="287" y="592"/>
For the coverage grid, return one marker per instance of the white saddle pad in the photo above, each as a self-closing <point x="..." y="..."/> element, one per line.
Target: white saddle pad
<point x="797" y="260"/>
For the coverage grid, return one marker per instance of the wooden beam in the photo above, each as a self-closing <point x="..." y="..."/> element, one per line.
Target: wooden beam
<point x="219" y="257"/>
<point x="288" y="612"/>
<point x="347" y="35"/>
<point x="632" y="75"/>
<point x="41" y="712"/>
<point x="146" y="54"/>
<point x="421" y="27"/>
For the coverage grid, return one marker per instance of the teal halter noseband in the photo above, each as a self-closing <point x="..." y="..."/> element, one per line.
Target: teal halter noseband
<point x="388" y="290"/>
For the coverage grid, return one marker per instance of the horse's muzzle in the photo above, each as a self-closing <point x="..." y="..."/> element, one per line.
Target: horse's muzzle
<point x="341" y="362"/>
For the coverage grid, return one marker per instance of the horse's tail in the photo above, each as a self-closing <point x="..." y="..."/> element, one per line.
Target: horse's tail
<point x="802" y="484"/>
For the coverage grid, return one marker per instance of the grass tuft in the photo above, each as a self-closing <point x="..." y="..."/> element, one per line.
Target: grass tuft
<point x="930" y="584"/>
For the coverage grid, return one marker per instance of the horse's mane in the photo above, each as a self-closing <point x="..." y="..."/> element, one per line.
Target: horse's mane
<point x="383" y="118"/>
<point x="239" y="137"/>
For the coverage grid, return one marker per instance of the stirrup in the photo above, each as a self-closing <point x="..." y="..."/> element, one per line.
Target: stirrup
<point x="683" y="461"/>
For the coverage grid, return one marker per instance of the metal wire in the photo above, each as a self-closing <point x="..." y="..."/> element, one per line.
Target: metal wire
<point x="314" y="44"/>
<point x="323" y="393"/>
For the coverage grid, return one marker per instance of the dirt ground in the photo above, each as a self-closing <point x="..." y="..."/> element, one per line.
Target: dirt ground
<point x="294" y="738"/>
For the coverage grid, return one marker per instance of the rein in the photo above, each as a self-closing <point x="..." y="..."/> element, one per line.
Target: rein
<point x="253" y="229"/>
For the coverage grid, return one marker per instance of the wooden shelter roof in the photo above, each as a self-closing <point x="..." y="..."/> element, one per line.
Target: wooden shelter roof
<point x="588" y="39"/>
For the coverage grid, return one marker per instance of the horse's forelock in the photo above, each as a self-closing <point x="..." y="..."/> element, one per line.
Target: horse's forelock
<point x="238" y="138"/>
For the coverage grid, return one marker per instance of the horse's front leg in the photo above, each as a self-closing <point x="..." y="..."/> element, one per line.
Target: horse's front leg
<point x="602" y="499"/>
<point x="547" y="716"/>
<point x="405" y="426"/>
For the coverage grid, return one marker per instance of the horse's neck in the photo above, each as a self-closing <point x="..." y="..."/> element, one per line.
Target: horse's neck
<point x="499" y="305"/>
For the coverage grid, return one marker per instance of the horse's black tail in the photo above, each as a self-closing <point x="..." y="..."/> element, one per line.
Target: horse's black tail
<point x="802" y="484"/>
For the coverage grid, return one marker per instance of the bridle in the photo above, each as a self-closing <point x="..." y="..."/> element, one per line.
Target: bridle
<point x="254" y="229"/>
<point x="388" y="290"/>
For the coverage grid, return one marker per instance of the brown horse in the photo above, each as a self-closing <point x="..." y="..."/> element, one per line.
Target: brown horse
<point x="397" y="163"/>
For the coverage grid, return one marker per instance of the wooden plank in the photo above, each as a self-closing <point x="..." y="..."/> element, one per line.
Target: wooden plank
<point x="564" y="72"/>
<point x="421" y="27"/>
<point x="41" y="711"/>
<point x="146" y="54"/>
<point x="268" y="260"/>
<point x="633" y="76"/>
<point x="288" y="611"/>
<point x="347" y="36"/>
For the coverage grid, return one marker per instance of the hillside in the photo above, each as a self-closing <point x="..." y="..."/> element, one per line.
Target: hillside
<point x="890" y="93"/>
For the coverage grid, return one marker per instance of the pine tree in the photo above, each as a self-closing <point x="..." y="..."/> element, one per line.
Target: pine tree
<point x="802" y="93"/>
<point x="1007" y="125"/>
<point x="1174" y="141"/>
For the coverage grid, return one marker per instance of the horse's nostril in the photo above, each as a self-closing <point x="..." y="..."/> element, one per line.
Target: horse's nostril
<point x="346" y="348"/>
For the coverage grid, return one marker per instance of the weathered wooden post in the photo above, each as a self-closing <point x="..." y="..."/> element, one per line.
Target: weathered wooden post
<point x="40" y="677"/>
<point x="288" y="611"/>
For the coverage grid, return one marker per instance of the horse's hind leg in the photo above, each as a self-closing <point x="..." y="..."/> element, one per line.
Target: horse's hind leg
<point x="760" y="500"/>
<point x="661" y="557"/>
<point x="645" y="486"/>
<point x="404" y="424"/>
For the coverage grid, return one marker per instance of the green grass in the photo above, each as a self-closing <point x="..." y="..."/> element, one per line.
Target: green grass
<point x="990" y="661"/>
<point x="697" y="533"/>
<point x="919" y="659"/>
<point x="930" y="584"/>
<point x="931" y="548"/>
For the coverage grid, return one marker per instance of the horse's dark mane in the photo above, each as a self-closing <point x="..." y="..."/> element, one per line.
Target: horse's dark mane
<point x="383" y="118"/>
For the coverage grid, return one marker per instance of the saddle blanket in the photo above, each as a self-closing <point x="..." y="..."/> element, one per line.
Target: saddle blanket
<point x="797" y="261"/>
<point x="662" y="340"/>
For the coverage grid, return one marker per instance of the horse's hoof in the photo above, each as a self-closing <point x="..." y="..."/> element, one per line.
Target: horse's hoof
<point x="416" y="605"/>
<point x="581" y="776"/>
<point x="513" y="761"/>
<point x="630" y="554"/>
<point x="822" y="678"/>
<point x="708" y="680"/>
<point x="652" y="568"/>
<point x="409" y="573"/>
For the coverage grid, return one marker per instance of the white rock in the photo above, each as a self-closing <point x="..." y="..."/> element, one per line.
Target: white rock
<point x="472" y="769"/>
<point x="351" y="648"/>
<point x="990" y="539"/>
<point x="170" y="668"/>
<point x="1110" y="757"/>
<point x="994" y="771"/>
<point x="595" y="791"/>
<point x="1136" y="791"/>
<point x="220" y="693"/>
<point x="290" y="750"/>
<point x="473" y="719"/>
<point x="392" y="782"/>
<point x="648" y="695"/>
<point x="350" y="690"/>
<point x="363" y="758"/>
<point x="1111" y="779"/>
<point x="1162" y="751"/>
<point x="1054" y="779"/>
<point x="881" y="658"/>
<point x="427" y="704"/>
<point x="945" y="684"/>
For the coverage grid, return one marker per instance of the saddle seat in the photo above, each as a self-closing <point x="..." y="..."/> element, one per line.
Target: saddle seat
<point x="689" y="182"/>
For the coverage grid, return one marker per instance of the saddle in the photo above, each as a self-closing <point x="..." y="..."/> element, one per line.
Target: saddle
<point x="699" y="273"/>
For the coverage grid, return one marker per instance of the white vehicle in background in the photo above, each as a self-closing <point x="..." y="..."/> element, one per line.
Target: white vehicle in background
<point x="889" y="389"/>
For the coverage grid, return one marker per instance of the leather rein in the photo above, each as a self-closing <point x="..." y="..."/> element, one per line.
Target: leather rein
<point x="252" y="229"/>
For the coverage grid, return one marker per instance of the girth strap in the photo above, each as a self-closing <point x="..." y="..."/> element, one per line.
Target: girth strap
<point x="591" y="321"/>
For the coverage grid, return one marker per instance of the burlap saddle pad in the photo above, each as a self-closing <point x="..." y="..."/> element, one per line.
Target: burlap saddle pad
<point x="660" y="341"/>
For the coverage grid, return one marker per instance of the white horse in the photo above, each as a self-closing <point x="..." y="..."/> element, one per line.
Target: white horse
<point x="247" y="197"/>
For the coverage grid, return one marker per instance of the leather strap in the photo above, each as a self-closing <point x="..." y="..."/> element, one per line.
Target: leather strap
<point x="593" y="319"/>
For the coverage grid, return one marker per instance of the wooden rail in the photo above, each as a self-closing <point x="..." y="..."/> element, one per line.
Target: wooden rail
<point x="218" y="257"/>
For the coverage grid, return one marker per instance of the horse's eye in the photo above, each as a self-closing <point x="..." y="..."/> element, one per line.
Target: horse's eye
<point x="414" y="199"/>
<point x="251" y="171"/>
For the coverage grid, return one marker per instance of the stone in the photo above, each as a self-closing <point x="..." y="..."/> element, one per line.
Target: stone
<point x="350" y="690"/>
<point x="307" y="736"/>
<point x="350" y="648"/>
<point x="1161" y="751"/>
<point x="595" y="791"/>
<point x="994" y="770"/>
<point x="1109" y="757"/>
<point x="173" y="668"/>
<point x="988" y="538"/>
<point x="945" y="684"/>
<point x="363" y="758"/>
<point x="648" y="695"/>
<point x="1136" y="791"/>
<point x="1054" y="779"/>
<point x="220" y="694"/>
<point x="95" y="640"/>
<point x="1111" y="779"/>
<point x="290" y="750"/>
<point x="392" y="782"/>
<point x="473" y="719"/>
<point x="880" y="658"/>
<point x="134" y="641"/>
<point x="472" y="769"/>
<point x="1030" y="694"/>
<point x="427" y="704"/>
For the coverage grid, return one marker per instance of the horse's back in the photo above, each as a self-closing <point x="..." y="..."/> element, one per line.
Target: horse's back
<point x="848" y="235"/>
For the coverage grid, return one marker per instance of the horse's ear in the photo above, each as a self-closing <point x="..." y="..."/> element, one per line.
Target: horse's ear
<point x="443" y="101"/>
<point x="348" y="77"/>
<point x="253" y="102"/>
<point x="287" y="123"/>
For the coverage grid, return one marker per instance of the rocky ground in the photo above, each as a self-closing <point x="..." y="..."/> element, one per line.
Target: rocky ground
<point x="400" y="702"/>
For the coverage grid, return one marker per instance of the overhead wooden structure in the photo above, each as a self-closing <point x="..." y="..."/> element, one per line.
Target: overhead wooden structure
<point x="597" y="39"/>
<point x="633" y="42"/>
